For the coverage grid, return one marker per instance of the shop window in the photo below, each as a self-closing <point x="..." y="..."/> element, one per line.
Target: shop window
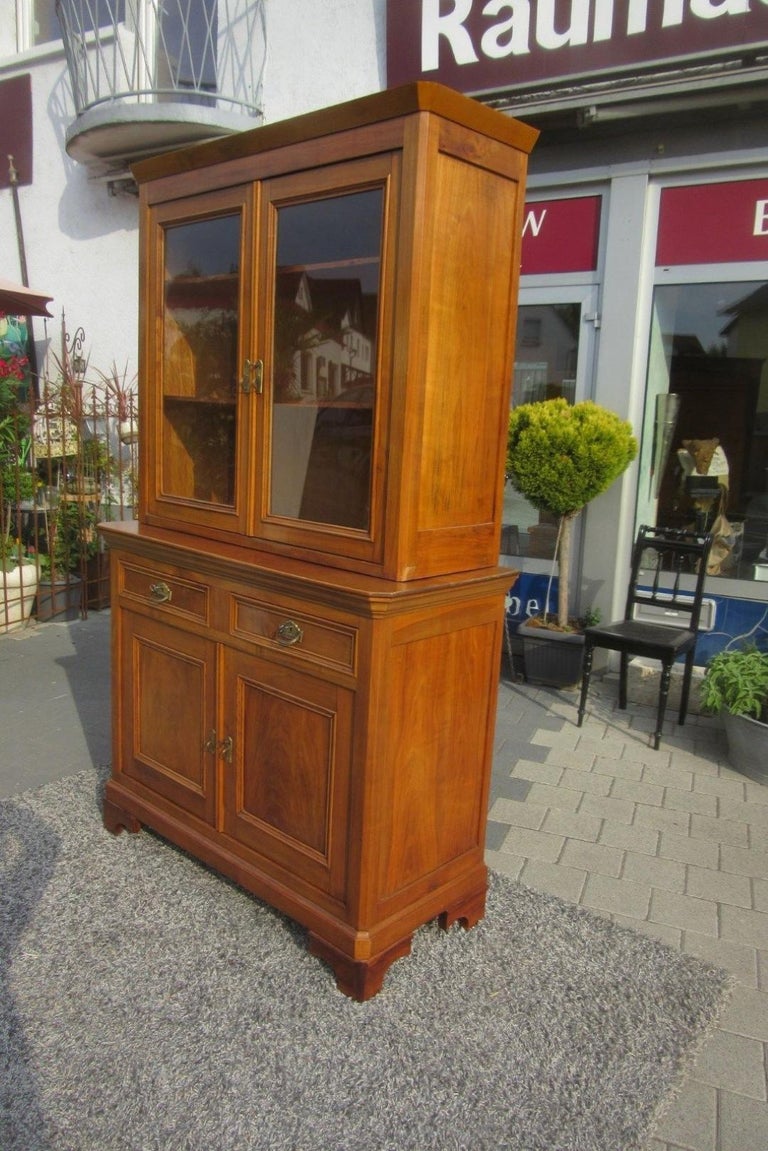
<point x="551" y="374"/>
<point x="705" y="438"/>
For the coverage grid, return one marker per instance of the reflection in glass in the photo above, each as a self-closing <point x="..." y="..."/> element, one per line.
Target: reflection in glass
<point x="200" y="340"/>
<point x="709" y="347"/>
<point x="546" y="358"/>
<point x="324" y="357"/>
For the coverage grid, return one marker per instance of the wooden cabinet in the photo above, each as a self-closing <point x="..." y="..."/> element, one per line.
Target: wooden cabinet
<point x="327" y="342"/>
<point x="308" y="612"/>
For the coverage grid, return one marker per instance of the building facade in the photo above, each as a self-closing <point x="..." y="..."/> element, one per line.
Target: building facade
<point x="645" y="256"/>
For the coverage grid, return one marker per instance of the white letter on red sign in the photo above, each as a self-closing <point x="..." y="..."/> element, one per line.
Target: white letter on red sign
<point x="637" y="15"/>
<point x="433" y="26"/>
<point x="532" y="224"/>
<point x="708" y="9"/>
<point x="578" y="33"/>
<point x="518" y="24"/>
<point x="761" y="218"/>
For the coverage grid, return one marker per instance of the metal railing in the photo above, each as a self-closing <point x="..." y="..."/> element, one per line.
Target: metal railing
<point x="68" y="461"/>
<point x="208" y="52"/>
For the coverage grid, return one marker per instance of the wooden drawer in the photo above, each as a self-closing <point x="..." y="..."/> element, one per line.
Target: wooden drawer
<point x="165" y="589"/>
<point x="281" y="628"/>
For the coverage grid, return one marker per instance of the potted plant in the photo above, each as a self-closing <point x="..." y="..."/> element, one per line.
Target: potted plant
<point x="735" y="686"/>
<point x="18" y="584"/>
<point x="120" y="396"/>
<point x="560" y="456"/>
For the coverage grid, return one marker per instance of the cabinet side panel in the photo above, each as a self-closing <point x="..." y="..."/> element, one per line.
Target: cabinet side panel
<point x="442" y="708"/>
<point x="468" y="364"/>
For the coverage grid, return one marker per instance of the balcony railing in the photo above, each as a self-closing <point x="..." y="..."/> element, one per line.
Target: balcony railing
<point x="147" y="75"/>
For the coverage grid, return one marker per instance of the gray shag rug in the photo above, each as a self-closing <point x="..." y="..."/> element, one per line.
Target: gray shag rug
<point x="146" y="1003"/>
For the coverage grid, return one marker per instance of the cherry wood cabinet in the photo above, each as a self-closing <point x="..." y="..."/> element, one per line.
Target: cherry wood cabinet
<point x="307" y="616"/>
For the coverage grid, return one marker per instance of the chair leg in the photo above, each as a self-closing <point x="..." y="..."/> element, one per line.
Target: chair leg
<point x="686" y="688"/>
<point x="586" y="672"/>
<point x="666" y="679"/>
<point x="623" y="671"/>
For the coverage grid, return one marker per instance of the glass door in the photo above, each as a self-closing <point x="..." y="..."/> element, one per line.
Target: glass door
<point x="554" y="355"/>
<point x="323" y="356"/>
<point x="199" y="341"/>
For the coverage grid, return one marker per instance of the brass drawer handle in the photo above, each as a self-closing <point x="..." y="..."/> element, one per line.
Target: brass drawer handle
<point x="289" y="633"/>
<point x="160" y="592"/>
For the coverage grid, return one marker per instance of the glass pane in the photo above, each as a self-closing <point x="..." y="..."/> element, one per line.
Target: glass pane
<point x="186" y="53"/>
<point x="324" y="357"/>
<point x="546" y="358"/>
<point x="81" y="16"/>
<point x="705" y="434"/>
<point x="200" y="342"/>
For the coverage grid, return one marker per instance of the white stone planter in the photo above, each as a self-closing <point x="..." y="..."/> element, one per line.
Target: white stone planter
<point x="128" y="430"/>
<point x="18" y="588"/>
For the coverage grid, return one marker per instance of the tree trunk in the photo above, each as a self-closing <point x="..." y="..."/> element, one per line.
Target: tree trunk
<point x="564" y="570"/>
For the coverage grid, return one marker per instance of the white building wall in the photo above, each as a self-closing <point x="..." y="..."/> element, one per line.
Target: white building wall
<point x="321" y="53"/>
<point x="81" y="244"/>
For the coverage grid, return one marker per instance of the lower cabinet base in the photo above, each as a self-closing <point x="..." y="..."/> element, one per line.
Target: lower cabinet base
<point x="360" y="979"/>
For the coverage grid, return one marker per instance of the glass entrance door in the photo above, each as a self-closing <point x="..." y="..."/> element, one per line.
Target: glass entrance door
<point x="553" y="357"/>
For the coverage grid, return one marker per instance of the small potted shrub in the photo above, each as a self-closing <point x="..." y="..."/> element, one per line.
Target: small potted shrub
<point x="735" y="686"/>
<point x="560" y="456"/>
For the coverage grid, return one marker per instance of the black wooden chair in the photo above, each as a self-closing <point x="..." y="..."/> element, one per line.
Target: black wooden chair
<point x="660" y="557"/>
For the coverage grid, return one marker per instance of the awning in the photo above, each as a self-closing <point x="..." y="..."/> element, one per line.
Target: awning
<point x="20" y="301"/>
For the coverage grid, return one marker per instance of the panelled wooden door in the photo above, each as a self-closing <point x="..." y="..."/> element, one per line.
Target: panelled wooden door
<point x="286" y="788"/>
<point x="168" y="721"/>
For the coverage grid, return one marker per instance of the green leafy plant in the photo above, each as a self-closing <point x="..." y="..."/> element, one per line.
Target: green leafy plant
<point x="72" y="538"/>
<point x="560" y="456"/>
<point x="736" y="681"/>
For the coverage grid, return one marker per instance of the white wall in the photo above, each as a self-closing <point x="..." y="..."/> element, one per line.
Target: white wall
<point x="322" y="52"/>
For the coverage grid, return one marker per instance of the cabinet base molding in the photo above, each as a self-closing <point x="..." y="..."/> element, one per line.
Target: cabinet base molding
<point x="359" y="978"/>
<point x="117" y="819"/>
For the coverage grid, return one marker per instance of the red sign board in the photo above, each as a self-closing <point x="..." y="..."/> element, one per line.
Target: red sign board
<point x="493" y="45"/>
<point x="713" y="223"/>
<point x="561" y="235"/>
<point x="16" y="129"/>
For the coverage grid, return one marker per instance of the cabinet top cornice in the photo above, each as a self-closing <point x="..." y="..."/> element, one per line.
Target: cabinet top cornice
<point x="423" y="96"/>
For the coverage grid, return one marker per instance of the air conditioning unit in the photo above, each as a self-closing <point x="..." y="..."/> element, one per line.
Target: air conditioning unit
<point x="671" y="617"/>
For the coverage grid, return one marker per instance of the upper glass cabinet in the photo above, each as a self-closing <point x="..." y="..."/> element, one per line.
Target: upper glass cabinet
<point x="327" y="326"/>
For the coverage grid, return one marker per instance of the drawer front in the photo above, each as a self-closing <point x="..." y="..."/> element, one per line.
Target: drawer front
<point x="283" y="629"/>
<point x="165" y="589"/>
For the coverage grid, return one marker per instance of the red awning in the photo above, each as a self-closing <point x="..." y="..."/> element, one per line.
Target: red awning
<point x="20" y="301"/>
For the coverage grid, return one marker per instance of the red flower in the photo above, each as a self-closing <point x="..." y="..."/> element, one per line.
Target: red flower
<point x="13" y="368"/>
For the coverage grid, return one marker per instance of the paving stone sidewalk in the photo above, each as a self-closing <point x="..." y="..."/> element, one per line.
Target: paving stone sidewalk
<point x="672" y="843"/>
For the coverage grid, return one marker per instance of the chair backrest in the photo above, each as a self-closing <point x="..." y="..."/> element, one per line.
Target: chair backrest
<point x="660" y="558"/>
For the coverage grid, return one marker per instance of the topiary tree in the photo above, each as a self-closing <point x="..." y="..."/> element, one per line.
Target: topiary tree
<point x="560" y="456"/>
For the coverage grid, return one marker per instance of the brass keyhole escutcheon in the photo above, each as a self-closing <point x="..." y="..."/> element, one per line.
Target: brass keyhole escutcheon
<point x="289" y="633"/>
